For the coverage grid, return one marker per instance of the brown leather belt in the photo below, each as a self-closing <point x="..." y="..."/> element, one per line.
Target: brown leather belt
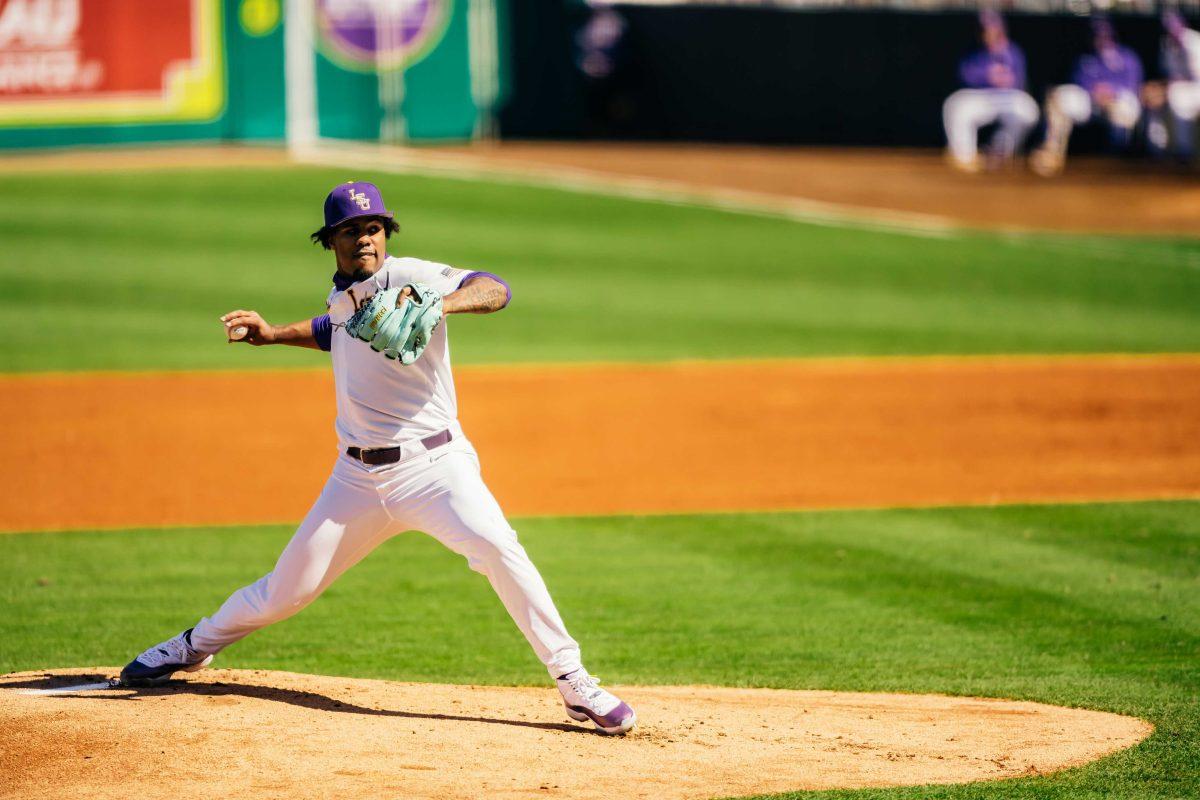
<point x="390" y="455"/>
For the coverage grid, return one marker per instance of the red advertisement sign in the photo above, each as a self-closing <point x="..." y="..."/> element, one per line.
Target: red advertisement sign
<point x="72" y="61"/>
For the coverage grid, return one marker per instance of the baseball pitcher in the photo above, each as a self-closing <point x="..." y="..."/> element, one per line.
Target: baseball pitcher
<point x="404" y="462"/>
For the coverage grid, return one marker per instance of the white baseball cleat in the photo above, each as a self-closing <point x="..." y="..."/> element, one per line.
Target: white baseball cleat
<point x="585" y="700"/>
<point x="159" y="663"/>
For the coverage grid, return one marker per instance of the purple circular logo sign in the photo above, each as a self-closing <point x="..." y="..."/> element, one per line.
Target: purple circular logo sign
<point x="381" y="34"/>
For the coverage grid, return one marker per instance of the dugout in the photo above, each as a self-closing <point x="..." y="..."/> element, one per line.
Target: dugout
<point x="775" y="75"/>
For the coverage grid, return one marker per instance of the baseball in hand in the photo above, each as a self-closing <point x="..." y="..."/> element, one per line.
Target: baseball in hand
<point x="238" y="333"/>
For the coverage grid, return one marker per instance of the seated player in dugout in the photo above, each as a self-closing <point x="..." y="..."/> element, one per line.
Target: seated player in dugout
<point x="1172" y="105"/>
<point x="993" y="93"/>
<point x="404" y="462"/>
<point x="1105" y="87"/>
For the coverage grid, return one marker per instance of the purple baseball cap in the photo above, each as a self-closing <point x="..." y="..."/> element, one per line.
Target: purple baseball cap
<point x="354" y="199"/>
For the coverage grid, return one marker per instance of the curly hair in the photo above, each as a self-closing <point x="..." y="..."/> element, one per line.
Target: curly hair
<point x="323" y="235"/>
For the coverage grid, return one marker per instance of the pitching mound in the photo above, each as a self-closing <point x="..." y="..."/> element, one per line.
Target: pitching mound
<point x="235" y="733"/>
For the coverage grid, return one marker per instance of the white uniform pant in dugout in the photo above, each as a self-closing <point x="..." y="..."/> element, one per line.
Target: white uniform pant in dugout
<point x="968" y="110"/>
<point x="438" y="491"/>
<point x="1184" y="99"/>
<point x="1076" y="105"/>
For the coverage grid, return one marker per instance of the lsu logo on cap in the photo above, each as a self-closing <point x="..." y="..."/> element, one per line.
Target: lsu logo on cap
<point x="363" y="201"/>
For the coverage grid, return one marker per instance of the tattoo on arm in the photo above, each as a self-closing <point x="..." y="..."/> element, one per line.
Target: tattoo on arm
<point x="479" y="295"/>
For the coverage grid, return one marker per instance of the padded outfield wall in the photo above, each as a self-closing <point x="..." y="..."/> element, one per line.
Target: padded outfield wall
<point x="114" y="71"/>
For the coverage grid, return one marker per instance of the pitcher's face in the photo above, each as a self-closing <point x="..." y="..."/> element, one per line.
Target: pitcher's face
<point x="360" y="246"/>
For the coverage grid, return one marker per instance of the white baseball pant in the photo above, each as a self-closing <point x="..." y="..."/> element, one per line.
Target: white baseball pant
<point x="1075" y="103"/>
<point x="1070" y="105"/>
<point x="968" y="110"/>
<point x="1183" y="97"/>
<point x="440" y="492"/>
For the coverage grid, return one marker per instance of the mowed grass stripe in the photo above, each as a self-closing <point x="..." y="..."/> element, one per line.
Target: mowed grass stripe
<point x="1093" y="606"/>
<point x="155" y="257"/>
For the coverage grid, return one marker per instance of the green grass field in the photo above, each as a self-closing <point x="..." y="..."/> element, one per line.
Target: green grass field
<point x="133" y="270"/>
<point x="1095" y="605"/>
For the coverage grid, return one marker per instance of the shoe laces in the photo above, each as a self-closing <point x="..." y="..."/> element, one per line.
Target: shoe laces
<point x="585" y="685"/>
<point x="172" y="651"/>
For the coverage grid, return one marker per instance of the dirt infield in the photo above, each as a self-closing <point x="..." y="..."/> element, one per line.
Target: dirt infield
<point x="194" y="448"/>
<point x="241" y="734"/>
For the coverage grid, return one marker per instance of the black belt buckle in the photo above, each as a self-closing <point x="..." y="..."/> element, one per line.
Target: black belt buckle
<point x="373" y="458"/>
<point x="390" y="455"/>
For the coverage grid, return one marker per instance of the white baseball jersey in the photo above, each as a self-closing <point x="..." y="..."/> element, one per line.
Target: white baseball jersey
<point x="380" y="402"/>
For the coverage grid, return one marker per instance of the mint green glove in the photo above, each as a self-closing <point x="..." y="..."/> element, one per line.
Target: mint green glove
<point x="399" y="333"/>
<point x="371" y="315"/>
<point x="423" y="313"/>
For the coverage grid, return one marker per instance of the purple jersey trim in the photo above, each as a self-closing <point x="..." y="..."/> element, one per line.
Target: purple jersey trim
<point x="493" y="276"/>
<point x="1123" y="71"/>
<point x="973" y="70"/>
<point x="322" y="331"/>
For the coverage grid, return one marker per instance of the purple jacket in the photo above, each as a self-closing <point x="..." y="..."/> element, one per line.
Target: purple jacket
<point x="973" y="70"/>
<point x="1125" y="73"/>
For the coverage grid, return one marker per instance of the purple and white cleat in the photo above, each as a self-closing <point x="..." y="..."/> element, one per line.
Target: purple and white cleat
<point x="585" y="700"/>
<point x="156" y="666"/>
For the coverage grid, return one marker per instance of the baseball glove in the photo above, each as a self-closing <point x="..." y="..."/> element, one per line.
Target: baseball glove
<point x="400" y="329"/>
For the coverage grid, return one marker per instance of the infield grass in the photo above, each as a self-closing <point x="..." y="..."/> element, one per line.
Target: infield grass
<point x="1093" y="605"/>
<point x="131" y="272"/>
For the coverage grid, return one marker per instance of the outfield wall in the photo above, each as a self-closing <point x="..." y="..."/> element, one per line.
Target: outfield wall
<point x="111" y="71"/>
